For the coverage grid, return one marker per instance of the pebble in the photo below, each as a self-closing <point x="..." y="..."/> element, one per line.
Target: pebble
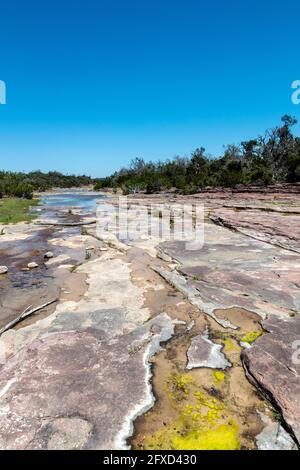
<point x="32" y="265"/>
<point x="48" y="255"/>
<point x="3" y="269"/>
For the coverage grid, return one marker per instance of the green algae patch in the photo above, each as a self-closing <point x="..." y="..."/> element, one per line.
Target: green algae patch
<point x="251" y="336"/>
<point x="219" y="375"/>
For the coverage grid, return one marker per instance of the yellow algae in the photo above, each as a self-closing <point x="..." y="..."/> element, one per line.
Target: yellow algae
<point x="161" y="439"/>
<point x="223" y="437"/>
<point x="231" y="346"/>
<point x="179" y="385"/>
<point x="206" y="418"/>
<point x="202" y="421"/>
<point x="219" y="375"/>
<point x="251" y="336"/>
<point x="179" y="435"/>
<point x="205" y="400"/>
<point x="206" y="410"/>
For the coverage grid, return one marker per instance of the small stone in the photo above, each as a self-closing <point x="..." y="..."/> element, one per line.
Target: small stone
<point x="204" y="353"/>
<point x="32" y="265"/>
<point x="3" y="269"/>
<point x="48" y="255"/>
<point x="103" y="249"/>
<point x="90" y="248"/>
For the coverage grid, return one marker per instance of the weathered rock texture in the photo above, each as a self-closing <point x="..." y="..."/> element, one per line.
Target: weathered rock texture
<point x="281" y="229"/>
<point x="79" y="377"/>
<point x="273" y="364"/>
<point x="232" y="270"/>
<point x="78" y="389"/>
<point x="205" y="353"/>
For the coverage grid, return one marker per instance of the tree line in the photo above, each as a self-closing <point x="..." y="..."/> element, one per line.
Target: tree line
<point x="270" y="158"/>
<point x="16" y="184"/>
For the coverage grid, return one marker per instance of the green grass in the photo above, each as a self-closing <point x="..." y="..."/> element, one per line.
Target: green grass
<point x="13" y="210"/>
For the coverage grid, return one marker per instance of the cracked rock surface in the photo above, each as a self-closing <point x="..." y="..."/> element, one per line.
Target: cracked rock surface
<point x="232" y="269"/>
<point x="273" y="363"/>
<point x="281" y="229"/>
<point x="79" y="377"/>
<point x="78" y="389"/>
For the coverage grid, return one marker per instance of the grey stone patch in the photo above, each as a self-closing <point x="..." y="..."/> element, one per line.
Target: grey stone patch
<point x="109" y="322"/>
<point x="163" y="256"/>
<point x="66" y="433"/>
<point x="204" y="353"/>
<point x="245" y="345"/>
<point x="274" y="437"/>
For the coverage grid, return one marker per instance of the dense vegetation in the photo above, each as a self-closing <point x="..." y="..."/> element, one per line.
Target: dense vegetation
<point x="22" y="185"/>
<point x="271" y="158"/>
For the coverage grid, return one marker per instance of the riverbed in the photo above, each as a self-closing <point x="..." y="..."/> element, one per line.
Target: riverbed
<point x="149" y="345"/>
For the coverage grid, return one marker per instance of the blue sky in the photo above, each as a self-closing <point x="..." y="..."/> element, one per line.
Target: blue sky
<point x="92" y="84"/>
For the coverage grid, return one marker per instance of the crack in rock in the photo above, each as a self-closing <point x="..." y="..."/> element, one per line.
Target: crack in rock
<point x="192" y="294"/>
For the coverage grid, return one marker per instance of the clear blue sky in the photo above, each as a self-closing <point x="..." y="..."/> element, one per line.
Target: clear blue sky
<point x="92" y="84"/>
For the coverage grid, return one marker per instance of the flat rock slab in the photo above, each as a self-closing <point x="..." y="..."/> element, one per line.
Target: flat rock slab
<point x="78" y="378"/>
<point x="78" y="390"/>
<point x="279" y="229"/>
<point x="273" y="364"/>
<point x="204" y="353"/>
<point x="233" y="270"/>
<point x="268" y="207"/>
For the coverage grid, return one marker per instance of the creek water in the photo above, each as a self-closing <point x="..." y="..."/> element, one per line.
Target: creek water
<point x="80" y="199"/>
